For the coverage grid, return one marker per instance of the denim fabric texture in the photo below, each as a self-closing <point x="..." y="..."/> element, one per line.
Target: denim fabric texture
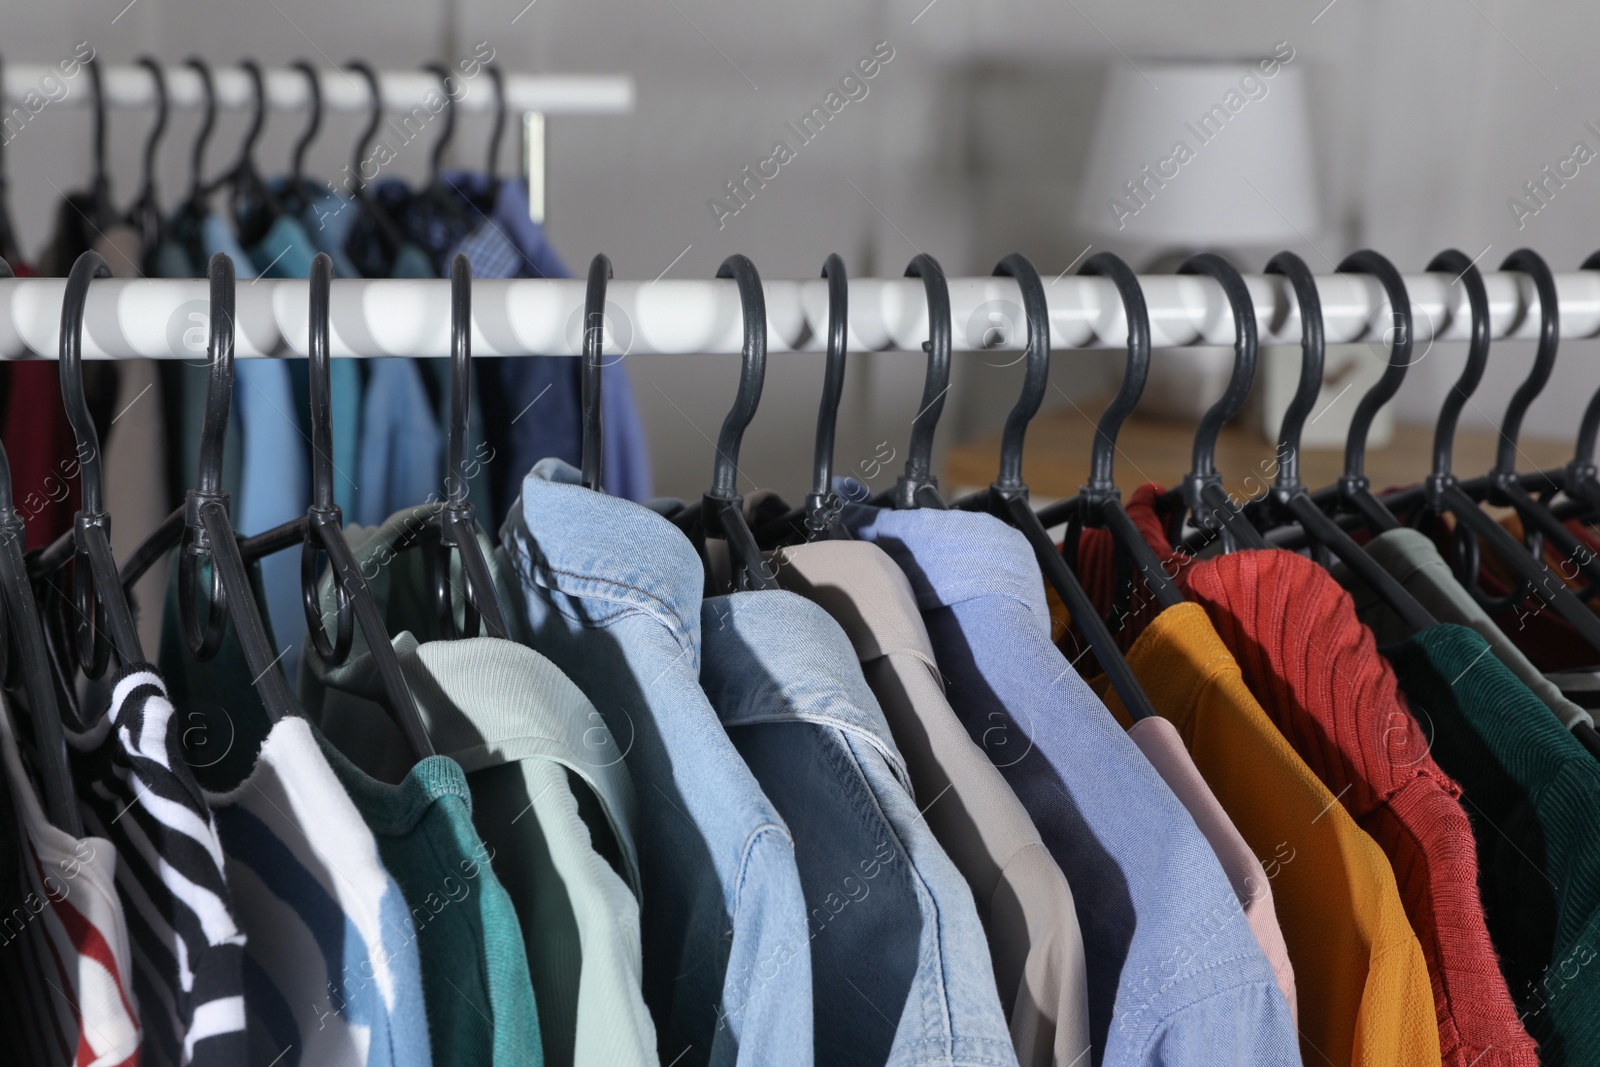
<point x="899" y="963"/>
<point x="613" y="598"/>
<point x="1175" y="973"/>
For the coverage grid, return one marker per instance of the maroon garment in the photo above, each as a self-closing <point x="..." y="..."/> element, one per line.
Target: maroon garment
<point x="40" y="447"/>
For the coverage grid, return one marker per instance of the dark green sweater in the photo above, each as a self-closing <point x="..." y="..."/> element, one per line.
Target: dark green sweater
<point x="1533" y="795"/>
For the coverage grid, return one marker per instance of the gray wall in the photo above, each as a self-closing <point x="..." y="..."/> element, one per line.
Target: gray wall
<point x="969" y="144"/>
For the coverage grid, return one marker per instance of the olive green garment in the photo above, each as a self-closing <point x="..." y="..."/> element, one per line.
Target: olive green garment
<point x="1414" y="561"/>
<point x="551" y="795"/>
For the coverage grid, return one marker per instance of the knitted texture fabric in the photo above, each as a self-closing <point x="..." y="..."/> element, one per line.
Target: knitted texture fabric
<point x="1318" y="674"/>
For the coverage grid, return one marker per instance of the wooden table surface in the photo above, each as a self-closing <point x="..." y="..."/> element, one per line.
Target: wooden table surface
<point x="1055" y="459"/>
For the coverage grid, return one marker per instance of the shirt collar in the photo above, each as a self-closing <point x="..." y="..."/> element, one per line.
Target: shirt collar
<point x="952" y="557"/>
<point x="606" y="553"/>
<point x="857" y="584"/>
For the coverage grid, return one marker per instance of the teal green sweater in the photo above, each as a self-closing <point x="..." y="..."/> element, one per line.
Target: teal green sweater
<point x="1533" y="795"/>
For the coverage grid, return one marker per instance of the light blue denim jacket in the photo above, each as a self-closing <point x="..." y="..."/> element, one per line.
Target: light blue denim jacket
<point x="613" y="594"/>
<point x="901" y="968"/>
<point x="1175" y="975"/>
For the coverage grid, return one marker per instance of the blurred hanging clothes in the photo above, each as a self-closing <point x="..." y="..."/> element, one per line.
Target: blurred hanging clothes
<point x="402" y="446"/>
<point x="432" y="226"/>
<point x="509" y="244"/>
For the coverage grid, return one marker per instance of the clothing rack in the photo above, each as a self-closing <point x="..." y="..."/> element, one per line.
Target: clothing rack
<point x="134" y="318"/>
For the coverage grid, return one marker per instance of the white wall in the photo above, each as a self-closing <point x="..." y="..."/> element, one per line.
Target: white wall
<point x="969" y="144"/>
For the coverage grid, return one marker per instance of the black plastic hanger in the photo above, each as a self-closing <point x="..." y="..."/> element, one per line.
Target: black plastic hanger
<point x="1288" y="501"/>
<point x="594" y="327"/>
<point x="918" y="487"/>
<point x="491" y="168"/>
<point x="392" y="239"/>
<point x="437" y="192"/>
<point x="207" y="532"/>
<point x="457" y="522"/>
<point x="101" y="212"/>
<point x="823" y="506"/>
<point x="208" y="121"/>
<point x="103" y="613"/>
<point x="1530" y="495"/>
<point x="254" y="206"/>
<point x="298" y="194"/>
<point x="1099" y="503"/>
<point x="24" y="651"/>
<point x="721" y="510"/>
<point x="145" y="214"/>
<point x="1504" y="488"/>
<point x="1007" y="497"/>
<point x="323" y="532"/>
<point x="8" y="233"/>
<point x="819" y="516"/>
<point x="1205" y="501"/>
<point x="1354" y="488"/>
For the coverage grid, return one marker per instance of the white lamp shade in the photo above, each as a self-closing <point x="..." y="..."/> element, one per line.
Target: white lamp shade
<point x="1193" y="154"/>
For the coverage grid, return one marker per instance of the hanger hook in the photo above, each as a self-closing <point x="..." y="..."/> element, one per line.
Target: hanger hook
<point x="1531" y="263"/>
<point x="1203" y="469"/>
<point x="1367" y="261"/>
<point x="821" y="502"/>
<point x="204" y="643"/>
<point x="1036" y="378"/>
<point x="97" y="594"/>
<point x="208" y="121"/>
<point x="499" y="128"/>
<point x="313" y="127"/>
<point x="258" y="117"/>
<point x="918" y="478"/>
<point x="323" y="509"/>
<point x="440" y="146"/>
<point x="1583" y="465"/>
<point x="594" y="324"/>
<point x="158" y="129"/>
<point x="1106" y="264"/>
<point x="102" y="181"/>
<point x="752" y="371"/>
<point x="363" y="68"/>
<point x="1455" y="262"/>
<point x="1313" y="349"/>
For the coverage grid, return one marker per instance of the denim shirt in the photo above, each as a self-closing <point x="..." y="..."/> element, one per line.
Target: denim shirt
<point x="1175" y="974"/>
<point x="613" y="598"/>
<point x="900" y="964"/>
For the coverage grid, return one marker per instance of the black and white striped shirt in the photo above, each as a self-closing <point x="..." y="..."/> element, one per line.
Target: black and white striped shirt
<point x="188" y="950"/>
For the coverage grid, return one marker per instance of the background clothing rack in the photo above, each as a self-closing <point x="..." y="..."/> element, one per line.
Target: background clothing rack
<point x="135" y="318"/>
<point x="533" y="96"/>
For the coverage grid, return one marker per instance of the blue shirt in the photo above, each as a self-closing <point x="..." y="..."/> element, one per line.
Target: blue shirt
<point x="613" y="596"/>
<point x="535" y="404"/>
<point x="1175" y="974"/>
<point x="900" y="965"/>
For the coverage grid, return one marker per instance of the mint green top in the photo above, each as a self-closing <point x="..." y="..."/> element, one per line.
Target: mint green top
<point x="551" y="794"/>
